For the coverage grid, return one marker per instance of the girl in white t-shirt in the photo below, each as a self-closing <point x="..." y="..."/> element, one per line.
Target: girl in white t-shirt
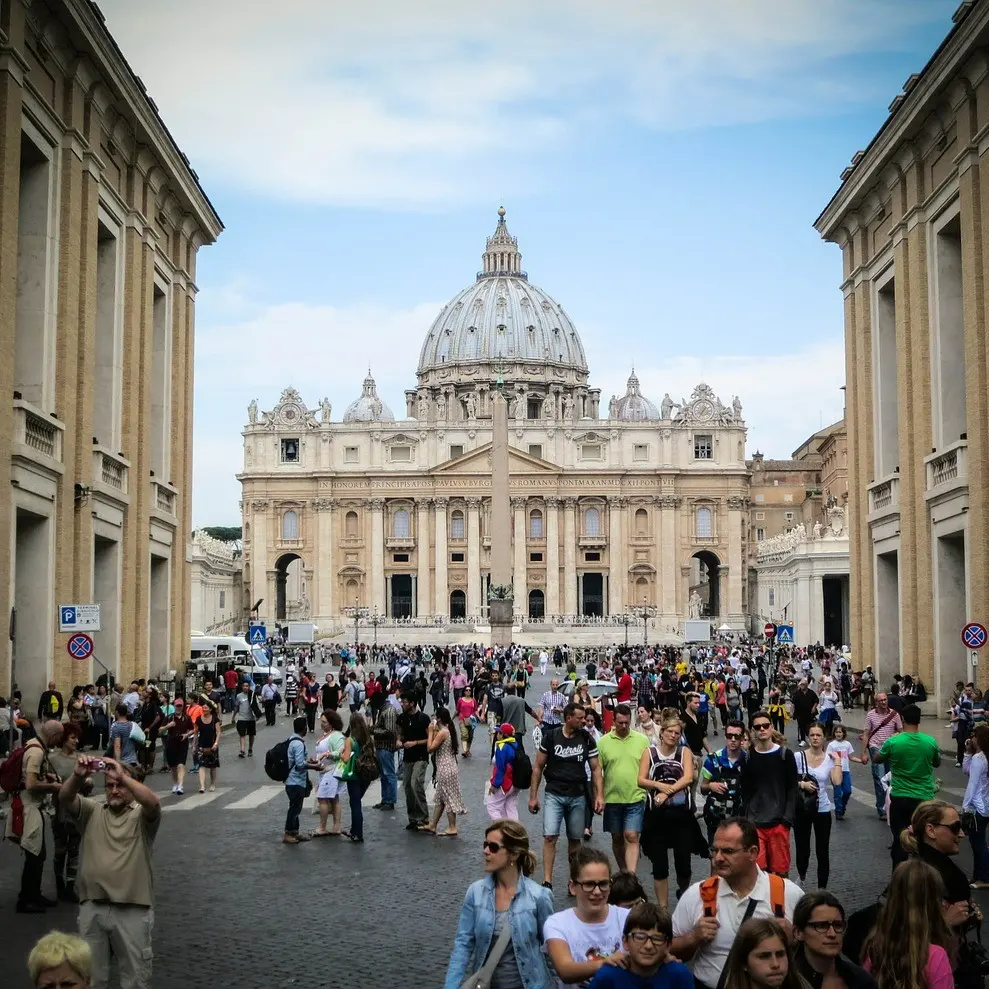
<point x="842" y="790"/>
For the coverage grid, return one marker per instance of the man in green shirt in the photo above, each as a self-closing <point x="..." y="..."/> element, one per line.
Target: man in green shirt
<point x="912" y="756"/>
<point x="624" y="803"/>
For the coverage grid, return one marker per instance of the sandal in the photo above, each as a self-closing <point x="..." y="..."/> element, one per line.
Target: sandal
<point x="319" y="834"/>
<point x="447" y="834"/>
<point x="426" y="829"/>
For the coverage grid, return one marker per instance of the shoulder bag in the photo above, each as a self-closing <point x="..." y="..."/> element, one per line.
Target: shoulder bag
<point x="481" y="979"/>
<point x="806" y="800"/>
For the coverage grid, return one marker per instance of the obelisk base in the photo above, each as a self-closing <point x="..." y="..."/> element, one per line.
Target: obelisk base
<point x="500" y="612"/>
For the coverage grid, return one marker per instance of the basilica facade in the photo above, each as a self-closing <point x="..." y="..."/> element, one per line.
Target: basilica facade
<point x="619" y="509"/>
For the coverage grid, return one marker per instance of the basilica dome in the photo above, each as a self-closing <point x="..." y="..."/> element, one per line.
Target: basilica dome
<point x="633" y="406"/>
<point x="503" y="317"/>
<point x="368" y="408"/>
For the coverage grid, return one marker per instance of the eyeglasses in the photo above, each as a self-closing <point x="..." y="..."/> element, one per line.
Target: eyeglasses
<point x="762" y="726"/>
<point x="822" y="926"/>
<point x="955" y="828"/>
<point x="492" y="846"/>
<point x="733" y="734"/>
<point x="589" y="885"/>
<point x="641" y="937"/>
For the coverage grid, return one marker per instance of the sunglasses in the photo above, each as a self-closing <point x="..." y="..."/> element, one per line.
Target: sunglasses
<point x="955" y="828"/>
<point x="733" y="734"/>
<point x="492" y="846"/>
<point x="822" y="926"/>
<point x="762" y="726"/>
<point x="589" y="885"/>
<point x="641" y="937"/>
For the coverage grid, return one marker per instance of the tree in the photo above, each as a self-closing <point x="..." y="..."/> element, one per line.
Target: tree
<point x="225" y="533"/>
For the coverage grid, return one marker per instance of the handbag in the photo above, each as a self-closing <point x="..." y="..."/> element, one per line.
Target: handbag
<point x="970" y="824"/>
<point x="806" y="800"/>
<point x="481" y="979"/>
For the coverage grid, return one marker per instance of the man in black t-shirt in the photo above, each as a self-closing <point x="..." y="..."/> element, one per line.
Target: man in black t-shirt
<point x="492" y="708"/>
<point x="330" y="694"/>
<point x="564" y="753"/>
<point x="413" y="726"/>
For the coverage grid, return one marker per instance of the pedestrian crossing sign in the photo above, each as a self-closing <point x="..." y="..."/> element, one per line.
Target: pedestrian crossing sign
<point x="257" y="635"/>
<point x="784" y="634"/>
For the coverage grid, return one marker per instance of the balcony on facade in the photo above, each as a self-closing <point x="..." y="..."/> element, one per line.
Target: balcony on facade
<point x="592" y="542"/>
<point x="37" y="437"/>
<point x="163" y="500"/>
<point x="400" y="542"/>
<point x="290" y="543"/>
<point x="947" y="471"/>
<point x="111" y="475"/>
<point x="884" y="499"/>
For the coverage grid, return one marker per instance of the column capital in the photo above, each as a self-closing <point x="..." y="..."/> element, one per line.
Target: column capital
<point x="376" y="504"/>
<point x="551" y="501"/>
<point x="569" y="503"/>
<point x="423" y="503"/>
<point x="619" y="501"/>
<point x="323" y="505"/>
<point x="519" y="504"/>
<point x="441" y="503"/>
<point x="474" y="503"/>
<point x="669" y="501"/>
<point x="737" y="503"/>
<point x="259" y="506"/>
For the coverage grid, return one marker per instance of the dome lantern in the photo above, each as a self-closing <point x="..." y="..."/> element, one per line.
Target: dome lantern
<point x="501" y="253"/>
<point x="368" y="408"/>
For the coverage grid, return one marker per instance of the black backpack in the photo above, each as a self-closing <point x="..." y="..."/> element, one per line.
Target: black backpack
<point x="276" y="762"/>
<point x="521" y="769"/>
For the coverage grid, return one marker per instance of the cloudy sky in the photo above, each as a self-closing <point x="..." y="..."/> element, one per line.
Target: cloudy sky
<point x="661" y="161"/>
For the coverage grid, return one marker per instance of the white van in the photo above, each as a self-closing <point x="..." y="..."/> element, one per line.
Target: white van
<point x="246" y="658"/>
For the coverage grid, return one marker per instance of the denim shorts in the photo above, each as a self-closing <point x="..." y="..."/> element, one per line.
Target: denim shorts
<point x="557" y="809"/>
<point x="624" y="817"/>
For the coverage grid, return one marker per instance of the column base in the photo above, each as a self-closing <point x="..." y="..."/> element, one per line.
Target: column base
<point x="501" y="612"/>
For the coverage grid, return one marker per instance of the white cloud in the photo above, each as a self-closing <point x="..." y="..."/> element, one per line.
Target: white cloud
<point x="401" y="104"/>
<point x="326" y="350"/>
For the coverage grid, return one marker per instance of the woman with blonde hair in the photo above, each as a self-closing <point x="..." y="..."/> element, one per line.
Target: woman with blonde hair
<point x="60" y="961"/>
<point x="500" y="930"/>
<point x="582" y="695"/>
<point x="760" y="958"/>
<point x="912" y="946"/>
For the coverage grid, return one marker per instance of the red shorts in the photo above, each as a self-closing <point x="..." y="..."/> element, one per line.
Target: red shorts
<point x="774" y="849"/>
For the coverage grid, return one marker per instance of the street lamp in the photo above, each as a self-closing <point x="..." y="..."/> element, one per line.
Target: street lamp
<point x="625" y="620"/>
<point x="645" y="612"/>
<point x="376" y="620"/>
<point x="357" y="613"/>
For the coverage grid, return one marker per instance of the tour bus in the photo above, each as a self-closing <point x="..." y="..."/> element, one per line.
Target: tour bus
<point x="224" y="649"/>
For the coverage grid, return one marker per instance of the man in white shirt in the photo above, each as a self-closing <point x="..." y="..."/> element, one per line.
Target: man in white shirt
<point x="543" y="661"/>
<point x="703" y="936"/>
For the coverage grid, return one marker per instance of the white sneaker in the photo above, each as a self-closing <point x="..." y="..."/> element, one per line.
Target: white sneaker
<point x="175" y="789"/>
<point x="179" y="790"/>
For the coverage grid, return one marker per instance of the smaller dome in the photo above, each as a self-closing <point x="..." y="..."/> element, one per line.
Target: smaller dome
<point x="368" y="408"/>
<point x="633" y="406"/>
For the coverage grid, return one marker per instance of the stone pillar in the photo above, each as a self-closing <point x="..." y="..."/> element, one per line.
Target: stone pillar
<point x="519" y="572"/>
<point x="324" y="565"/>
<point x="473" y="556"/>
<point x="259" y="559"/>
<point x="378" y="555"/>
<point x="552" y="556"/>
<point x="441" y="601"/>
<point x="815" y="632"/>
<point x="421" y="583"/>
<point x="669" y="576"/>
<point x="570" y="556"/>
<point x="617" y="576"/>
<point x="501" y="606"/>
<point x="736" y="514"/>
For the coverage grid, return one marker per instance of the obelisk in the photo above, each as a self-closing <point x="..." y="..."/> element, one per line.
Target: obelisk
<point x="500" y="596"/>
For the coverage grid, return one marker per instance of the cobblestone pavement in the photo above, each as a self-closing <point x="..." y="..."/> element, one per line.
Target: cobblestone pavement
<point x="235" y="908"/>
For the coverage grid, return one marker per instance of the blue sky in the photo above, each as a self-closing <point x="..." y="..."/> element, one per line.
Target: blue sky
<point x="661" y="162"/>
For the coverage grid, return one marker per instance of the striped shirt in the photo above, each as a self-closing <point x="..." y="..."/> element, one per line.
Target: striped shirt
<point x="877" y="734"/>
<point x="547" y="703"/>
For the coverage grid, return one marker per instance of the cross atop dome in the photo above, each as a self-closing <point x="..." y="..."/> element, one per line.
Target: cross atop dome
<point x="501" y="255"/>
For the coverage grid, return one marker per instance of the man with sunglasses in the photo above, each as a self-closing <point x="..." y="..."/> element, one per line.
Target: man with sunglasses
<point x="721" y="780"/>
<point x="769" y="794"/>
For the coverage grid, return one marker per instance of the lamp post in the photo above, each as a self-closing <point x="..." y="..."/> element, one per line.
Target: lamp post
<point x="645" y="611"/>
<point x="375" y="619"/>
<point x="625" y="619"/>
<point x="357" y="613"/>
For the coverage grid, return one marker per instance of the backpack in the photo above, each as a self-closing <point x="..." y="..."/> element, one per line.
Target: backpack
<point x="668" y="770"/>
<point x="366" y="767"/>
<point x="521" y="769"/>
<point x="777" y="897"/>
<point x="276" y="762"/>
<point x="12" y="771"/>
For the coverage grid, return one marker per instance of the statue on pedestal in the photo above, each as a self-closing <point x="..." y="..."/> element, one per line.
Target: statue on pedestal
<point x="694" y="605"/>
<point x="252" y="411"/>
<point x="325" y="409"/>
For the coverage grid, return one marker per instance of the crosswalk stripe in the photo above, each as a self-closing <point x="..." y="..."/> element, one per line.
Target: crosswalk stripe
<point x="256" y="798"/>
<point x="194" y="800"/>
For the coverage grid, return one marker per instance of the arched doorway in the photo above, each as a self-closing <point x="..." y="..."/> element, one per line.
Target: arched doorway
<point x="458" y="604"/>
<point x="288" y="583"/>
<point x="705" y="579"/>
<point x="537" y="604"/>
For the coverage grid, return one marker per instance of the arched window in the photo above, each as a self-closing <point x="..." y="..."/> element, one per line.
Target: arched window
<point x="400" y="524"/>
<point x="536" y="524"/>
<point x="641" y="522"/>
<point x="457" y="525"/>
<point x="350" y="525"/>
<point x="290" y="525"/>
<point x="704" y="523"/>
<point x="458" y="604"/>
<point x="592" y="522"/>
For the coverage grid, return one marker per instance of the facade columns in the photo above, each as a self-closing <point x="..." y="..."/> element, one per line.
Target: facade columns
<point x="378" y="555"/>
<point x="420" y="582"/>
<point x="669" y="578"/>
<point x="473" y="556"/>
<point x="816" y="613"/>
<point x="324" y="568"/>
<point x="442" y="599"/>
<point x="519" y="572"/>
<point x="735" y="609"/>
<point x="552" y="556"/>
<point x="617" y="576"/>
<point x="570" y="556"/>
<point x="259" y="558"/>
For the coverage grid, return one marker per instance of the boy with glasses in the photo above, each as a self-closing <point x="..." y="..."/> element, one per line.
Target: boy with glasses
<point x="769" y="794"/>
<point x="646" y="938"/>
<point x="721" y="780"/>
<point x="581" y="940"/>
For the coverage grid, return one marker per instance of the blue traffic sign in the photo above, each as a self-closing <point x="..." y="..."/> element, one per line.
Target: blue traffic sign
<point x="784" y="634"/>
<point x="257" y="635"/>
<point x="69" y="615"/>
<point x="80" y="646"/>
<point x="974" y="635"/>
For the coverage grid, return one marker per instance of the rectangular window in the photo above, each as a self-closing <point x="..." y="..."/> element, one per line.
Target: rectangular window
<point x="640" y="451"/>
<point x="590" y="451"/>
<point x="351" y="455"/>
<point x="760" y="516"/>
<point x="703" y="446"/>
<point x="456" y="450"/>
<point x="290" y="451"/>
<point x="760" y="535"/>
<point x="456" y="557"/>
<point x="457" y="526"/>
<point x="592" y="557"/>
<point x="401" y="454"/>
<point x="535" y="557"/>
<point x="788" y="498"/>
<point x="401" y="557"/>
<point x="788" y="516"/>
<point x="760" y="498"/>
<point x="533" y="408"/>
<point x="536" y="450"/>
<point x="223" y="599"/>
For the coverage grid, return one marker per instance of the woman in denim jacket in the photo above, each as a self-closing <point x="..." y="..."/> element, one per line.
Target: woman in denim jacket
<point x="504" y="895"/>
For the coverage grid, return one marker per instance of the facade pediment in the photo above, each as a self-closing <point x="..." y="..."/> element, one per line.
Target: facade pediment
<point x="479" y="462"/>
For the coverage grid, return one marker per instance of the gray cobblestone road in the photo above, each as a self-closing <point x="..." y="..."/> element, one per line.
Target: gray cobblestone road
<point x="236" y="908"/>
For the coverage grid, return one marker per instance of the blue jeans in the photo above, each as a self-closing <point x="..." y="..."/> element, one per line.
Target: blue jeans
<point x="557" y="809"/>
<point x="980" y="852"/>
<point x="296" y="798"/>
<point x="879" y="770"/>
<point x="842" y="793"/>
<point x="355" y="790"/>
<point x="389" y="778"/>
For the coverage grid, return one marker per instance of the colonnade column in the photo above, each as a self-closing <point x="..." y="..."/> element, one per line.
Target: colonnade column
<point x="441" y="602"/>
<point x="324" y="568"/>
<point x="669" y="574"/>
<point x="816" y="615"/>
<point x="473" y="556"/>
<point x="570" y="556"/>
<point x="552" y="556"/>
<point x="259" y="558"/>
<point x="519" y="571"/>
<point x="617" y="577"/>
<point x="378" y="555"/>
<point x="421" y="583"/>
<point x="736" y="506"/>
